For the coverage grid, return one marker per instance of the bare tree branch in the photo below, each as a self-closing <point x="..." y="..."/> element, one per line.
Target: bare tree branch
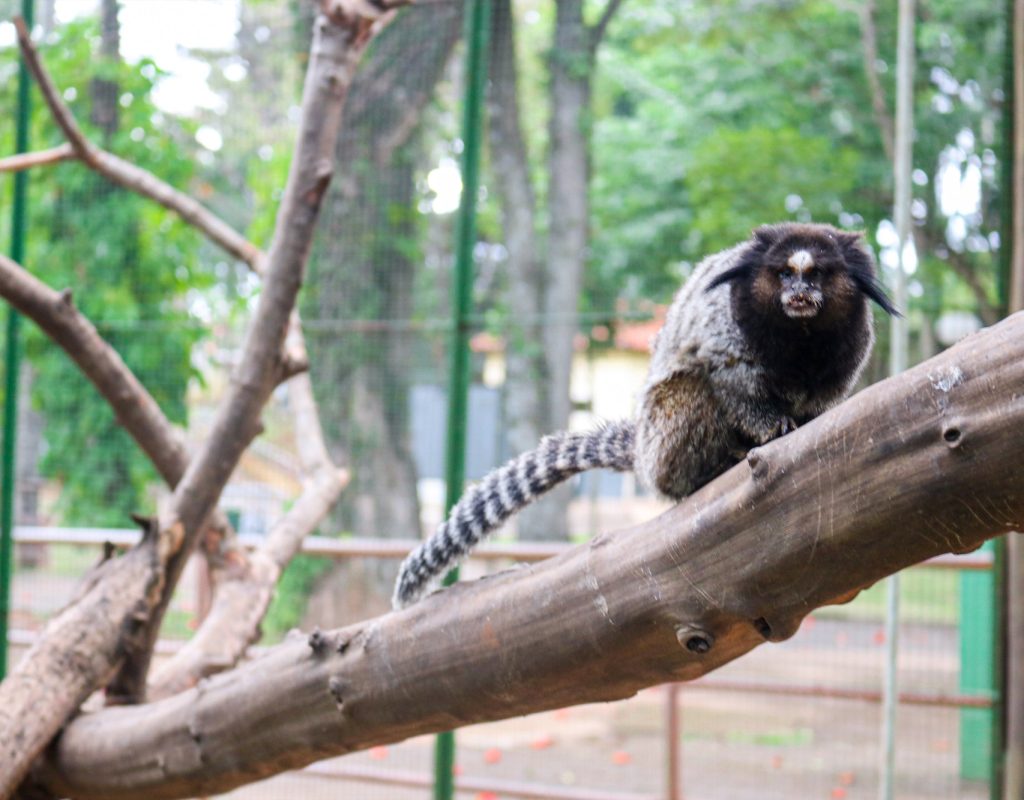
<point x="230" y="563"/>
<point x="334" y="54"/>
<point x="599" y="28"/>
<point x="24" y="161"/>
<point x="922" y="464"/>
<point x="135" y="409"/>
<point x="126" y="620"/>
<point x="128" y="175"/>
<point x="244" y="585"/>
<point x="244" y="592"/>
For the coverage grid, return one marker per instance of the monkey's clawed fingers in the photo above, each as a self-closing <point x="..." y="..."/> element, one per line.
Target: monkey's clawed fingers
<point x="787" y="425"/>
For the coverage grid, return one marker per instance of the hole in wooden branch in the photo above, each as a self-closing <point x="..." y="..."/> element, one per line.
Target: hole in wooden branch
<point x="335" y="686"/>
<point x="694" y="639"/>
<point x="763" y="628"/>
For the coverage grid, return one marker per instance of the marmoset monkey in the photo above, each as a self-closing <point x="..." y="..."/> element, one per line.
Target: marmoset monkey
<point x="762" y="338"/>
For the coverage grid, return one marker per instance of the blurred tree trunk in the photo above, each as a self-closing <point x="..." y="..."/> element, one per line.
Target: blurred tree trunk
<point x="570" y="68"/>
<point x="46" y="14"/>
<point x="543" y="291"/>
<point x="104" y="92"/>
<point x="363" y="269"/>
<point x="526" y="374"/>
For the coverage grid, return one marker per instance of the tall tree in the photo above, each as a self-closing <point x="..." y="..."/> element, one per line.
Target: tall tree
<point x="362" y="278"/>
<point x="544" y="283"/>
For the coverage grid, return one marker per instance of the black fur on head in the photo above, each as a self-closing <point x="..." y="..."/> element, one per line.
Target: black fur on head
<point x="820" y="239"/>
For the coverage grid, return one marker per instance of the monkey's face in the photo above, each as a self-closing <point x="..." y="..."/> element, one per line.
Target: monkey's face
<point x="798" y="284"/>
<point x="809" y="275"/>
<point x="804" y="281"/>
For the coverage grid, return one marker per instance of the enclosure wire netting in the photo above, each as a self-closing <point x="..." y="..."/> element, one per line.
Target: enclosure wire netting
<point x="212" y="107"/>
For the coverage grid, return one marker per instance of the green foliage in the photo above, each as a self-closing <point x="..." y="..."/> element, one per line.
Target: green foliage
<point x="741" y="178"/>
<point x="129" y="263"/>
<point x="708" y="116"/>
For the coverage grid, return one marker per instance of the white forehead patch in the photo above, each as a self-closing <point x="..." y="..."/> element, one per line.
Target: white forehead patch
<point x="801" y="260"/>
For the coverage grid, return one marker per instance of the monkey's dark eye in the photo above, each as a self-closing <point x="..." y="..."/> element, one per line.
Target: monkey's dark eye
<point x="814" y="273"/>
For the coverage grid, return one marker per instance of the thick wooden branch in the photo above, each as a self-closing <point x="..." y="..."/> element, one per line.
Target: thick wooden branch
<point x="128" y="175"/>
<point x="71" y="658"/>
<point x="920" y="465"/>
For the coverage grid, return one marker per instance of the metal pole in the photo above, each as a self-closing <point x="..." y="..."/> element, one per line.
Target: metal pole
<point x="898" y="356"/>
<point x="12" y="355"/>
<point x="673" y="743"/>
<point x="1013" y="591"/>
<point x="477" y="23"/>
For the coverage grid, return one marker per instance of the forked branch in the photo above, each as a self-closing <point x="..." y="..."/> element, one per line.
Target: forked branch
<point x="222" y="638"/>
<point x="123" y="173"/>
<point x="123" y="610"/>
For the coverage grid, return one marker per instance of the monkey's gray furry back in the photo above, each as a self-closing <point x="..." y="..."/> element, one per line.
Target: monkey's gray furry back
<point x="487" y="504"/>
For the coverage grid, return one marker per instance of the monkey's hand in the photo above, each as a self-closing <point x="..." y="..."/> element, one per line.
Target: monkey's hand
<point x="786" y="425"/>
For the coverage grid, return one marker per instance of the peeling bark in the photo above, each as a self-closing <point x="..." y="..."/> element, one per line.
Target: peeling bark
<point x="922" y="464"/>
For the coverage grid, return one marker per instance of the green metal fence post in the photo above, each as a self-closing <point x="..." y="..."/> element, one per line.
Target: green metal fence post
<point x="12" y="357"/>
<point x="977" y="669"/>
<point x="475" y="37"/>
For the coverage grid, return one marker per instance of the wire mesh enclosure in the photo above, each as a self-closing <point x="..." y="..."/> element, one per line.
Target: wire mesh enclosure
<point x="621" y="143"/>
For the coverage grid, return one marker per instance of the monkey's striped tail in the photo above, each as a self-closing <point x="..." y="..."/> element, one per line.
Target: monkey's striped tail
<point x="504" y="491"/>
